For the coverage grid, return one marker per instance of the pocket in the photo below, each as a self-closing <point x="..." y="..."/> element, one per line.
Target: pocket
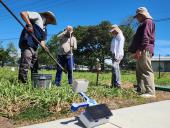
<point x="148" y="54"/>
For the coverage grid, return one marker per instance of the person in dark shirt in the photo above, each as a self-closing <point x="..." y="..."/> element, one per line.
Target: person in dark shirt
<point x="143" y="49"/>
<point x="36" y="24"/>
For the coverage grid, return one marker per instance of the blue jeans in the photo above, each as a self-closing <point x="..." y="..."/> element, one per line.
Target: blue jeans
<point x="65" y="61"/>
<point x="116" y="74"/>
<point x="116" y="77"/>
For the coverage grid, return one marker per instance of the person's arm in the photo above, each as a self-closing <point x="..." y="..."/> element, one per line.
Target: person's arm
<point x="120" y="46"/>
<point x="147" y="28"/>
<point x="44" y="46"/>
<point x="62" y="34"/>
<point x="68" y="29"/>
<point x="145" y="38"/>
<point x="25" y="17"/>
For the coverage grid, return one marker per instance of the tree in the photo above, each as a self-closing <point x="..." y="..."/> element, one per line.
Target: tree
<point x="128" y="61"/>
<point x="4" y="56"/>
<point x="128" y="26"/>
<point x="13" y="54"/>
<point x="43" y="58"/>
<point x="93" y="42"/>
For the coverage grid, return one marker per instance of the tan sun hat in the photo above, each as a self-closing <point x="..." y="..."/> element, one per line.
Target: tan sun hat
<point x="115" y="28"/>
<point x="50" y="14"/>
<point x="143" y="11"/>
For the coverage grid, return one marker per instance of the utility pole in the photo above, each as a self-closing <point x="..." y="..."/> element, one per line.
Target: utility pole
<point x="159" y="68"/>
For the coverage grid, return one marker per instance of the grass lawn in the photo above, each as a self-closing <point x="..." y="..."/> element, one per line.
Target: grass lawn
<point x="24" y="104"/>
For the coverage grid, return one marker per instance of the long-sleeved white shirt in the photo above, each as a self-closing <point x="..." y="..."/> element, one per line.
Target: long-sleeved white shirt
<point x="117" y="46"/>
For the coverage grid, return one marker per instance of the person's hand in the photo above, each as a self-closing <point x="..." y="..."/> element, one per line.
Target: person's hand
<point x="137" y="55"/>
<point x="44" y="46"/>
<point x="30" y="28"/>
<point x="46" y="49"/>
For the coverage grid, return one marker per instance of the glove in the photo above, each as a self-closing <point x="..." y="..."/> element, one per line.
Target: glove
<point x="30" y="28"/>
<point x="46" y="49"/>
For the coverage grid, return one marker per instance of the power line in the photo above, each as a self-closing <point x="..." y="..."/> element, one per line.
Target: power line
<point x="40" y="6"/>
<point x="162" y="19"/>
<point x="6" y="39"/>
<point x="16" y="38"/>
<point x="156" y="20"/>
<point x="32" y="4"/>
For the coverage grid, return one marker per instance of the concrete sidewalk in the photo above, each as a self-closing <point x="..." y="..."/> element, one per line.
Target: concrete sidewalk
<point x="153" y="115"/>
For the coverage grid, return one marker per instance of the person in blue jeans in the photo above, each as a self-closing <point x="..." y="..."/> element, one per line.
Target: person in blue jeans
<point x="117" y="50"/>
<point x="67" y="43"/>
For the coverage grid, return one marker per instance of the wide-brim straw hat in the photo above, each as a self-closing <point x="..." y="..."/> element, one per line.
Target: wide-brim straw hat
<point x="51" y="15"/>
<point x="115" y="28"/>
<point x="143" y="11"/>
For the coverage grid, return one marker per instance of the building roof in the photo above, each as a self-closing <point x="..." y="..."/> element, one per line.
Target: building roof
<point x="162" y="58"/>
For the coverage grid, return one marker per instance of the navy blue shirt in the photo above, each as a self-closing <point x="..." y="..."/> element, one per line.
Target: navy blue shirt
<point x="26" y="40"/>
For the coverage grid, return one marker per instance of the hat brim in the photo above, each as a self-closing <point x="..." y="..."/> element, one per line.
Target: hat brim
<point x="115" y="29"/>
<point x="147" y="15"/>
<point x="53" y="18"/>
<point x="112" y="30"/>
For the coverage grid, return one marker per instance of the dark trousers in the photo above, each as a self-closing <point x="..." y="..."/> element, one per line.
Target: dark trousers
<point x="65" y="61"/>
<point x="28" y="60"/>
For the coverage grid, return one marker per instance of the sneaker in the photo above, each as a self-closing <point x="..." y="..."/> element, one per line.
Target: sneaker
<point x="147" y="95"/>
<point x="70" y="84"/>
<point x="137" y="91"/>
<point x="56" y="83"/>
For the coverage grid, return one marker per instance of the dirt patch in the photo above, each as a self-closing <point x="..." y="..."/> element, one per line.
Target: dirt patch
<point x="5" y="123"/>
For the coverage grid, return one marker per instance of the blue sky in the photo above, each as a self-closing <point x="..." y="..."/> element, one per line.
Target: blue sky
<point x="87" y="12"/>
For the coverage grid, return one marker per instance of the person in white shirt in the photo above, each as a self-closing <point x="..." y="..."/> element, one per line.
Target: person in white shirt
<point x="117" y="50"/>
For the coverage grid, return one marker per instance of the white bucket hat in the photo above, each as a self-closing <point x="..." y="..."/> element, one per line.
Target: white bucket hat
<point x="143" y="11"/>
<point x="51" y="14"/>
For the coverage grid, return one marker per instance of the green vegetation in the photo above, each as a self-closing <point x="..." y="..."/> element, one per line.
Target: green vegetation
<point x="163" y="80"/>
<point x="23" y="102"/>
